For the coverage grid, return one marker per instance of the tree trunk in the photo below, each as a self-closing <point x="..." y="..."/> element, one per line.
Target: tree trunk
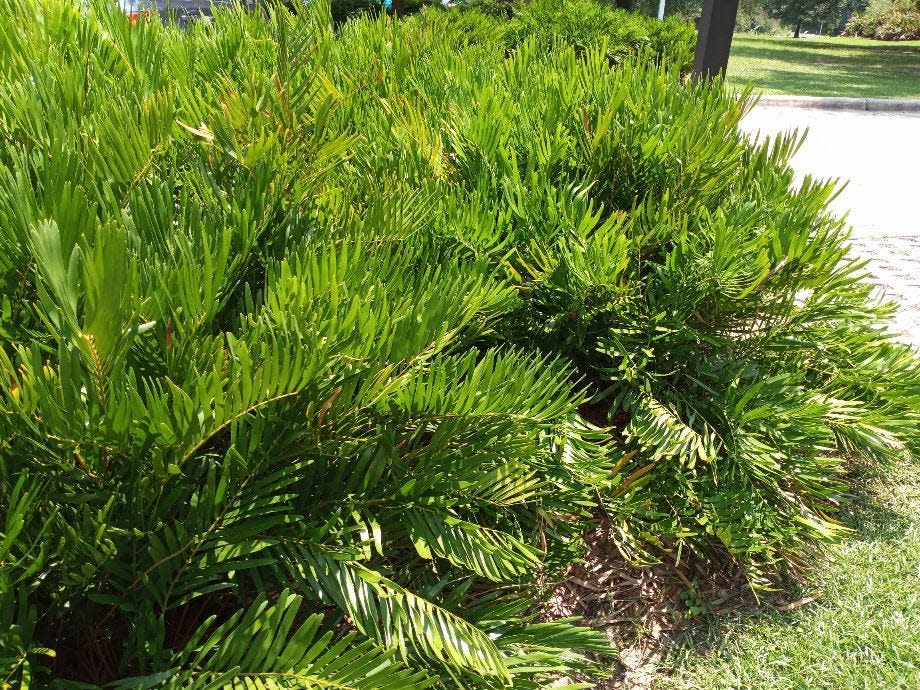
<point x="798" y="28"/>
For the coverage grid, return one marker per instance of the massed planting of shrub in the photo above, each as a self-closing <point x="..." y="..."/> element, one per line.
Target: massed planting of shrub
<point x="582" y="24"/>
<point x="300" y="328"/>
<point x="724" y="330"/>
<point x="343" y="10"/>
<point x="585" y="23"/>
<point x="248" y="435"/>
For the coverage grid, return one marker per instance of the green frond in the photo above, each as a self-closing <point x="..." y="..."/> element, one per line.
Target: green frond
<point x="661" y="433"/>
<point x="270" y="646"/>
<point x="491" y="553"/>
<point x="399" y="619"/>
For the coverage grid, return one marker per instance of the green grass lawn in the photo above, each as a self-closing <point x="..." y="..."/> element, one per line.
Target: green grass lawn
<point x="863" y="630"/>
<point x="826" y="66"/>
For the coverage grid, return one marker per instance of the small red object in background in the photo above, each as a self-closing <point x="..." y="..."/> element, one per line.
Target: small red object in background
<point x="134" y="17"/>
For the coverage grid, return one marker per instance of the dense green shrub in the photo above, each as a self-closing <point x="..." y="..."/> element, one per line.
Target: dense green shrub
<point x="233" y="404"/>
<point x="463" y="29"/>
<point x="496" y="8"/>
<point x="318" y="351"/>
<point x="673" y="39"/>
<point x="887" y="21"/>
<point x="712" y="310"/>
<point x="343" y="10"/>
<point x="582" y="24"/>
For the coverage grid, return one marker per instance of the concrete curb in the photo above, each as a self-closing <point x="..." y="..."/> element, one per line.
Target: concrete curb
<point x="880" y="105"/>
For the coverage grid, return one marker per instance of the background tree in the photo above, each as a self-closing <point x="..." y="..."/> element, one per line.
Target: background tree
<point x="824" y="16"/>
<point x="829" y="14"/>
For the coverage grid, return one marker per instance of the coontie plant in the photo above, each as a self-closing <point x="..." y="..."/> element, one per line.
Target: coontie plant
<point x="321" y="348"/>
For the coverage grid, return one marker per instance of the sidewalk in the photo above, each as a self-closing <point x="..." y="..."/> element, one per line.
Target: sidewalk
<point x="879" y="153"/>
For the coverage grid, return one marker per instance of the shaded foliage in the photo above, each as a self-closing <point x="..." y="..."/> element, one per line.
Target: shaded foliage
<point x="582" y="24"/>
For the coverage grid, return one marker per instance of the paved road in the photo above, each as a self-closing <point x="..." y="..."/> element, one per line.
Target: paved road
<point x="879" y="154"/>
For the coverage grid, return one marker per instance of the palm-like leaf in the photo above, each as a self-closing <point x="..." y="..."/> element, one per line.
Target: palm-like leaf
<point x="268" y="646"/>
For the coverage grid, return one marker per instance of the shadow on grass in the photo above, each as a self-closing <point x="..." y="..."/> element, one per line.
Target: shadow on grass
<point x="863" y="59"/>
<point x="790" y="44"/>
<point x="877" y="520"/>
<point x="845" y="71"/>
<point x="868" y="510"/>
<point x="842" y="82"/>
